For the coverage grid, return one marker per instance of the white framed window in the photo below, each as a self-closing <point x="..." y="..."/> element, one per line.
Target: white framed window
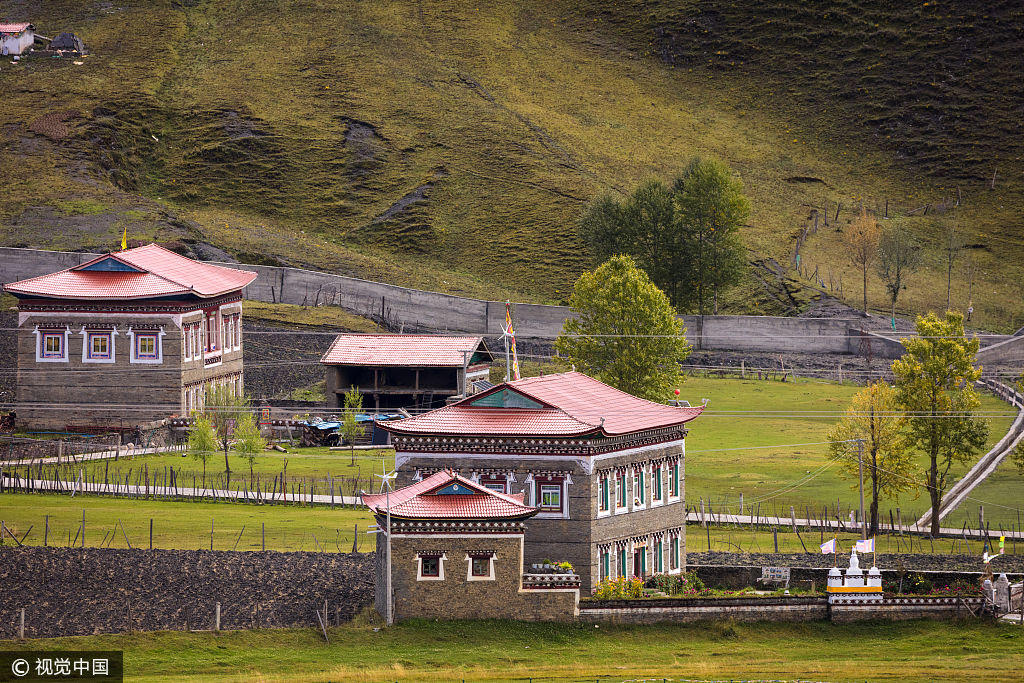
<point x="238" y="331"/>
<point x="551" y="497"/>
<point x="657" y="483"/>
<point x="146" y="346"/>
<point x="604" y="494"/>
<point x="551" y="494"/>
<point x="98" y="345"/>
<point x="639" y="489"/>
<point x="659" y="556"/>
<point x="604" y="563"/>
<point x="212" y="332"/>
<point x="674" y="480"/>
<point x="621" y="494"/>
<point x="673" y="553"/>
<point x="52" y="345"/>
<point x="480" y="566"/>
<point x="430" y="566"/>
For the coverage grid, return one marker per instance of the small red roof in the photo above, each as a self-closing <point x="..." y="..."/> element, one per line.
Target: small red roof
<point x="561" y="405"/>
<point x="140" y="273"/>
<point x="446" y="495"/>
<point x="420" y="350"/>
<point x="14" y="28"/>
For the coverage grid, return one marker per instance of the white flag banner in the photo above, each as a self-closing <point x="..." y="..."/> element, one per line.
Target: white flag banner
<point x="866" y="546"/>
<point x="828" y="547"/>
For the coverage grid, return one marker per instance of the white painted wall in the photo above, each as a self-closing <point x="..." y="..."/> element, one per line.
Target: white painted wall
<point x="16" y="43"/>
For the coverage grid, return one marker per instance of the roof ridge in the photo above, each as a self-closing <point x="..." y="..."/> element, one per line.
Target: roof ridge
<point x="159" y="275"/>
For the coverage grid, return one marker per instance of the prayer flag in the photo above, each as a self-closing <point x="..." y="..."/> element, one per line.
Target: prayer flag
<point x="828" y="547"/>
<point x="124" y="239"/>
<point x="866" y="546"/>
<point x="986" y="558"/>
<point x="512" y="339"/>
<point x="1002" y="544"/>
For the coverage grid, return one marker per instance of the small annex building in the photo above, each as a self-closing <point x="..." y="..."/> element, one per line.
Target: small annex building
<point x="16" y="38"/>
<point x="411" y="371"/>
<point x="456" y="552"/>
<point x="605" y="468"/>
<point x="126" y="338"/>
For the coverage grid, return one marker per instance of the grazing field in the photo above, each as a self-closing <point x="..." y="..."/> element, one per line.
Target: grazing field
<point x="116" y="522"/>
<point x="758" y="417"/>
<point x="911" y="652"/>
<point x="761" y="439"/>
<point x="453" y="145"/>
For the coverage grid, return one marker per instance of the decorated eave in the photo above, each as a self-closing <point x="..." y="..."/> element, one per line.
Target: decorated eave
<point x="147" y="273"/>
<point x="448" y="498"/>
<point x="566" y="412"/>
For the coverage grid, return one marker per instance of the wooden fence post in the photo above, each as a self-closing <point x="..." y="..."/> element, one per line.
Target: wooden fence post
<point x="216" y="619"/>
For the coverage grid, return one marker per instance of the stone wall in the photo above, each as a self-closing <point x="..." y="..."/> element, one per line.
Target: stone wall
<point x="412" y="309"/>
<point x="72" y="591"/>
<point x="904" y="608"/>
<point x="455" y="596"/>
<point x="690" y="610"/>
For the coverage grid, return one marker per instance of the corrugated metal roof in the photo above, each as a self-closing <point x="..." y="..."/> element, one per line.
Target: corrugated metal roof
<point x="420" y="501"/>
<point x="574" y="405"/>
<point x="421" y="350"/>
<point x="165" y="274"/>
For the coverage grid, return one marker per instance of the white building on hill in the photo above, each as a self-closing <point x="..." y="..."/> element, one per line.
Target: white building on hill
<point x="16" y="38"/>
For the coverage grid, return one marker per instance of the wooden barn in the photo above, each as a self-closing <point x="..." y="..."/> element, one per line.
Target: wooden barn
<point x="414" y="371"/>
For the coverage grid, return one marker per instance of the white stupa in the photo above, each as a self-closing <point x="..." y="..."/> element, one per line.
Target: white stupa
<point x="854" y="585"/>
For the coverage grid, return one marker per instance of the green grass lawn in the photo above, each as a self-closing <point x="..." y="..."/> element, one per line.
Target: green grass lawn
<point x="744" y="414"/>
<point x="510" y="651"/>
<point x="757" y="418"/>
<point x="1002" y="496"/>
<point x="185" y="525"/>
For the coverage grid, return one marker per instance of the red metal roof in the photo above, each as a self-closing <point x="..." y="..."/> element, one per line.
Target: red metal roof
<point x="420" y="350"/>
<point x="573" y="405"/>
<point x="421" y="501"/>
<point x="14" y="28"/>
<point x="163" y="273"/>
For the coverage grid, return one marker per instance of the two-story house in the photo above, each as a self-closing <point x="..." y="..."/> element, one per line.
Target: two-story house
<point x="605" y="468"/>
<point x="128" y="337"/>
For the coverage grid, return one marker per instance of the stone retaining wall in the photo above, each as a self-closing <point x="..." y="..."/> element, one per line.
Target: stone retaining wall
<point x="72" y="591"/>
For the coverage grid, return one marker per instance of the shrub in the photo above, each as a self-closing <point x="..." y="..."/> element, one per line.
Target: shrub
<point x="619" y="589"/>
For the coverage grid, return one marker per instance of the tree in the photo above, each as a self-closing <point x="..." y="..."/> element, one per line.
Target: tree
<point x="862" y="239"/>
<point x="626" y="333"/>
<point x="934" y="384"/>
<point x="644" y="225"/>
<point x="686" y="237"/>
<point x="953" y="246"/>
<point x="711" y="209"/>
<point x="899" y="256"/>
<point x="248" y="441"/>
<point x="223" y="409"/>
<point x="202" y="440"/>
<point x="350" y="428"/>
<point x="875" y="417"/>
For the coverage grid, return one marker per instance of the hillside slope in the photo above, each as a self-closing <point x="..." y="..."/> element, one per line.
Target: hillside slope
<point x="452" y="145"/>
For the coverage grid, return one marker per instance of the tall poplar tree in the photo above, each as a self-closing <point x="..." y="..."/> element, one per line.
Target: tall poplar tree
<point x="935" y="386"/>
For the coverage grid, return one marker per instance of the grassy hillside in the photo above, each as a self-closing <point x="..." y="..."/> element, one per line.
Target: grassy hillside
<point x="453" y="145"/>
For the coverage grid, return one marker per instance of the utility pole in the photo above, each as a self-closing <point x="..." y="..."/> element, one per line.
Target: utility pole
<point x="860" y="472"/>
<point x="389" y="617"/>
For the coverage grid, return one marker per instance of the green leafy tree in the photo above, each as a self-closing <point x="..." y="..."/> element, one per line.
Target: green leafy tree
<point x="685" y="236"/>
<point x="223" y="409"/>
<point x="248" y="441"/>
<point x="875" y="417"/>
<point x="645" y="226"/>
<point x="350" y="428"/>
<point x="711" y="208"/>
<point x="935" y="385"/>
<point x="625" y="332"/>
<point x="899" y="256"/>
<point x="202" y="440"/>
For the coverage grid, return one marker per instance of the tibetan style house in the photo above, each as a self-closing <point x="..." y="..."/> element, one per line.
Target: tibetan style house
<point x="605" y="468"/>
<point x="456" y="552"/>
<point x="128" y="337"/>
<point x="413" y="371"/>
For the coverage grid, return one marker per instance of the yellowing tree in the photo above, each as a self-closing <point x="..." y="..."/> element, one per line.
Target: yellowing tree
<point x="875" y="417"/>
<point x="862" y="238"/>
